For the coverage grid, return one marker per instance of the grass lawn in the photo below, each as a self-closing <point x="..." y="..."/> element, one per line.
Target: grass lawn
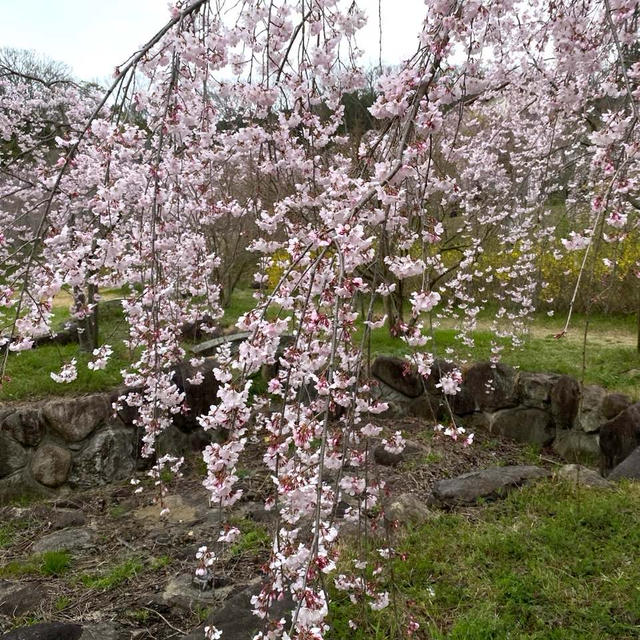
<point x="551" y="562"/>
<point x="611" y="362"/>
<point x="611" y="357"/>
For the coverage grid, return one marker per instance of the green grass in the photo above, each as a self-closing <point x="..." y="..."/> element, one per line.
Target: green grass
<point x="253" y="538"/>
<point x="9" y="530"/>
<point x="159" y="563"/>
<point x="612" y="360"/>
<point x="29" y="372"/>
<point x="549" y="562"/>
<point x="115" y="576"/>
<point x="55" y="563"/>
<point x="50" y="563"/>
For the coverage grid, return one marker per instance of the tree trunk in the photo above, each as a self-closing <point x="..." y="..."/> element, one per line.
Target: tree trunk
<point x="88" y="325"/>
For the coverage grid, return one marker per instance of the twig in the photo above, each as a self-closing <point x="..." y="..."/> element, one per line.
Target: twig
<point x="184" y="633"/>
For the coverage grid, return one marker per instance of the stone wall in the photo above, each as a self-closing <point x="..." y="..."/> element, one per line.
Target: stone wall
<point x="56" y="445"/>
<point x="540" y="408"/>
<point x="75" y="441"/>
<point x="60" y="444"/>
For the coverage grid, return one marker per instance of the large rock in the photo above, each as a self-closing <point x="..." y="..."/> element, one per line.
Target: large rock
<point x="439" y="368"/>
<point x="25" y="425"/>
<point x="492" y="386"/>
<point x="575" y="445"/>
<point x="102" y="631"/>
<point x="387" y="458"/>
<point x="46" y="631"/>
<point x="524" y="424"/>
<point x="210" y="347"/>
<point x="534" y="389"/>
<point x="398" y="374"/>
<point x="109" y="456"/>
<point x="401" y="406"/>
<point x="614" y="403"/>
<point x="407" y="508"/>
<point x="75" y="418"/>
<point x="64" y="518"/>
<point x="182" y="593"/>
<point x="462" y="403"/>
<point x="65" y="539"/>
<point x="50" y="465"/>
<point x="583" y="476"/>
<point x="198" y="397"/>
<point x="12" y="455"/>
<point x="628" y="468"/>
<point x="235" y="619"/>
<point x="21" y="485"/>
<point x="565" y="401"/>
<point x="591" y="416"/>
<point x="488" y="484"/>
<point x="176" y="442"/>
<point x="19" y="598"/>
<point x="619" y="437"/>
<point x="478" y="421"/>
<point x="204" y="327"/>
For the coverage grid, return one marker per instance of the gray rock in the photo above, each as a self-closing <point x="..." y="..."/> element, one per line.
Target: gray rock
<point x="46" y="631"/>
<point x="25" y="425"/>
<point x="64" y="518"/>
<point x="524" y="424"/>
<point x="583" y="476"/>
<point x="386" y="458"/>
<point x="534" y="389"/>
<point x="492" y="386"/>
<point x="461" y="404"/>
<point x="407" y="508"/>
<point x="477" y="421"/>
<point x="574" y="445"/>
<point x="488" y="484"/>
<point x="398" y="374"/>
<point x="50" y="465"/>
<point x="75" y="418"/>
<point x="628" y="468"/>
<point x="209" y="347"/>
<point x="439" y="368"/>
<point x="176" y="442"/>
<point x="12" y="455"/>
<point x="614" y="403"/>
<point x="234" y="617"/>
<point x="401" y="406"/>
<point x="591" y="416"/>
<point x="109" y="456"/>
<point x="20" y="485"/>
<point x="65" y="539"/>
<point x="18" y="598"/>
<point x="565" y="401"/>
<point x="198" y="397"/>
<point x="101" y="631"/>
<point x="619" y="437"/>
<point x="182" y="593"/>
